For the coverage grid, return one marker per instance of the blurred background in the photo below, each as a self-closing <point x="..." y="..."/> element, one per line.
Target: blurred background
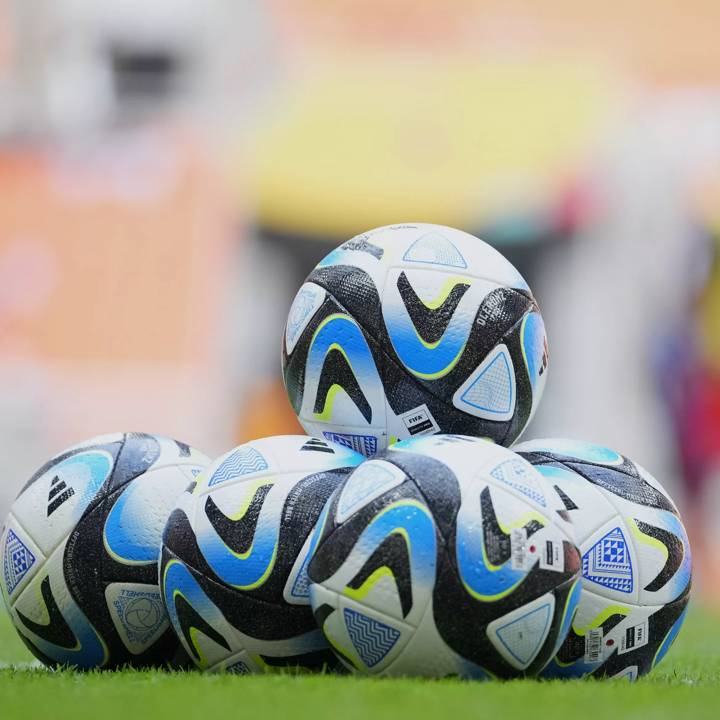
<point x="170" y="170"/>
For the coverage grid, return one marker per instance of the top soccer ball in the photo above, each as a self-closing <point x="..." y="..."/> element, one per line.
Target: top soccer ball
<point x="414" y="329"/>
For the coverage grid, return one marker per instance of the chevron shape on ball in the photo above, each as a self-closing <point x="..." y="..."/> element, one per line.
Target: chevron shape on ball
<point x="431" y="322"/>
<point x="372" y="639"/>
<point x="337" y="374"/>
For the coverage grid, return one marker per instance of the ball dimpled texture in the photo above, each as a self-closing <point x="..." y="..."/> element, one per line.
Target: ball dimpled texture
<point x="445" y="555"/>
<point x="235" y="553"/>
<point x="80" y="548"/>
<point x="636" y="560"/>
<point x="414" y="329"/>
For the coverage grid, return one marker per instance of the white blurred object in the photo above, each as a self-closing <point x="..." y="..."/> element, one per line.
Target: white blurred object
<point x="614" y="292"/>
<point x="84" y="66"/>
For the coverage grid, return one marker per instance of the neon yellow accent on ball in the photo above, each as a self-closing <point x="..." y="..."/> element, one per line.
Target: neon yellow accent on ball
<point x="247" y="500"/>
<point x="567" y="600"/>
<point x="446" y="369"/>
<point x="601" y="617"/>
<point x="448" y="286"/>
<point x="405" y="502"/>
<point x="648" y="539"/>
<point x="251" y="488"/>
<point x="491" y="598"/>
<point x="522" y="521"/>
<point x="326" y="320"/>
<point x="383" y="571"/>
<point x="346" y="654"/>
<point x="435" y="303"/>
<point x="257" y="659"/>
<point x="200" y="482"/>
<point x="119" y="559"/>
<point x="37" y="585"/>
<point x="265" y="575"/>
<point x="364" y="590"/>
<point x="194" y="632"/>
<point x="522" y="342"/>
<point x="326" y="414"/>
<point x="564" y="616"/>
<point x="519" y="522"/>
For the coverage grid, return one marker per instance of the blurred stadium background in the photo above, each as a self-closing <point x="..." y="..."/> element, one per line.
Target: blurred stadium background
<point x="170" y="170"/>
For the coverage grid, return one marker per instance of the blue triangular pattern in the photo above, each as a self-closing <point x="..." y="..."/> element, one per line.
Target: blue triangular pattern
<point x="372" y="639"/>
<point x="301" y="586"/>
<point x="244" y="461"/>
<point x="518" y="475"/>
<point x="608" y="563"/>
<point x="492" y="389"/>
<point x="17" y="561"/>
<point x="435" y="249"/>
<point x="533" y="636"/>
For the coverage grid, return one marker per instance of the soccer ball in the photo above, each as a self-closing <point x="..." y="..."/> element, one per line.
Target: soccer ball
<point x="445" y="555"/>
<point x="636" y="561"/>
<point x="80" y="549"/>
<point x="414" y="329"/>
<point x="235" y="553"/>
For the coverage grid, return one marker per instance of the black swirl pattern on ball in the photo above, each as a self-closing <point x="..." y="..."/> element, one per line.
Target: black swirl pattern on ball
<point x="88" y="567"/>
<point x="659" y="624"/>
<point x="675" y="554"/>
<point x="392" y="553"/>
<point x="498" y="319"/>
<point x="623" y="480"/>
<point x="430" y="323"/>
<point x="433" y="483"/>
<point x="190" y="619"/>
<point x="251" y="616"/>
<point x="262" y="612"/>
<point x="237" y="534"/>
<point x="337" y="371"/>
<point x="330" y="556"/>
<point x="56" y="631"/>
<point x="573" y="648"/>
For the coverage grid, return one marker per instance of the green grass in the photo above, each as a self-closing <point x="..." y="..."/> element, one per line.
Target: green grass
<point x="687" y="684"/>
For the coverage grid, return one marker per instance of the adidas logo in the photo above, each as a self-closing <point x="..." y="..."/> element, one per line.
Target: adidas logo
<point x="59" y="493"/>
<point x="317" y="445"/>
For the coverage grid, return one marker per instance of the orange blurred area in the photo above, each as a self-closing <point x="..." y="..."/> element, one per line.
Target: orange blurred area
<point x="97" y="249"/>
<point x="113" y="276"/>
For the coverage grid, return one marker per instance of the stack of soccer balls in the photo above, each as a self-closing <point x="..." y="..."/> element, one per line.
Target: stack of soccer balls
<point x="404" y="538"/>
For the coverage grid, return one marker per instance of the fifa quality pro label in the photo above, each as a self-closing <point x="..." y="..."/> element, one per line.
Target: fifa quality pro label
<point x="634" y="637"/>
<point x="419" y="421"/>
<point x="552" y="556"/>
